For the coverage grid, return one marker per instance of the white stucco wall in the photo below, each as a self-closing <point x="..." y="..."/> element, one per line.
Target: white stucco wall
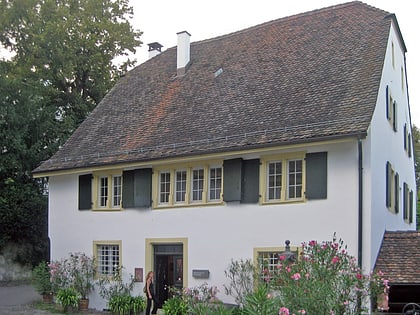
<point x="216" y="234"/>
<point x="382" y="145"/>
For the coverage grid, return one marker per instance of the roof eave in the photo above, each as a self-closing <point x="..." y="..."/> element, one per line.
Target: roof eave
<point x="40" y="173"/>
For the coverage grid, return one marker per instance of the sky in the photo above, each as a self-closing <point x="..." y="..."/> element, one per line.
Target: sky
<point x="161" y="20"/>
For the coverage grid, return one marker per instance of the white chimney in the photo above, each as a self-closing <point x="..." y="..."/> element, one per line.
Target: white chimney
<point x="183" y="52"/>
<point x="154" y="49"/>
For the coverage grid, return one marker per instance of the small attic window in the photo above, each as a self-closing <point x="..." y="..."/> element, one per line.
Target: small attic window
<point x="393" y="54"/>
<point x="218" y="72"/>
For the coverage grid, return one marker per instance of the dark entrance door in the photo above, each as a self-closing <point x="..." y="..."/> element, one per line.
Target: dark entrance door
<point x="168" y="266"/>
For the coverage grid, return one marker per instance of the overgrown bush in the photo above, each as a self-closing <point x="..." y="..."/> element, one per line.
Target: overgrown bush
<point x="241" y="275"/>
<point x="114" y="285"/>
<point x="76" y="271"/>
<point x="41" y="279"/>
<point x="324" y="280"/>
<point x="125" y="304"/>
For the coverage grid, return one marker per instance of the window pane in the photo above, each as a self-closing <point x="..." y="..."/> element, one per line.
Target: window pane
<point x="295" y="179"/>
<point x="165" y="186"/>
<point x="103" y="191"/>
<point x="267" y="261"/>
<point x="274" y="181"/>
<point x="116" y="191"/>
<point x="108" y="257"/>
<point x="215" y="185"/>
<point x="197" y="184"/>
<point x="180" y="186"/>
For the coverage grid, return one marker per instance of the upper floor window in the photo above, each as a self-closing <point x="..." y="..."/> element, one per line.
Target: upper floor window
<point x="408" y="203"/>
<point x="391" y="109"/>
<point x="393" y="54"/>
<point x="189" y="185"/>
<point x="108" y="191"/>
<point x="392" y="189"/>
<point x="402" y="79"/>
<point x="407" y="140"/>
<point x="284" y="179"/>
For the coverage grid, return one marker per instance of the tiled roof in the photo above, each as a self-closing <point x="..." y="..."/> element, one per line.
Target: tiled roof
<point x="399" y="257"/>
<point x="302" y="78"/>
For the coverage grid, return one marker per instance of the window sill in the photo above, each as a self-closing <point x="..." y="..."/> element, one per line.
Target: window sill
<point x="278" y="202"/>
<point x="107" y="209"/>
<point x="188" y="205"/>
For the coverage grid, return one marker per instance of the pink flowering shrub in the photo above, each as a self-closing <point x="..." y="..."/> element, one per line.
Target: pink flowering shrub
<point x="76" y="272"/>
<point x="325" y="279"/>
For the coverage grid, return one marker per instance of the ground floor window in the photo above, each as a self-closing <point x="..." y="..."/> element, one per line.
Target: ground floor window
<point x="108" y="257"/>
<point x="268" y="259"/>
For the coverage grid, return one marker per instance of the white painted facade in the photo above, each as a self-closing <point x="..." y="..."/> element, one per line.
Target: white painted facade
<point x="214" y="235"/>
<point x="382" y="145"/>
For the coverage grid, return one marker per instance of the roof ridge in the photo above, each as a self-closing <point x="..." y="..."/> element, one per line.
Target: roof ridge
<point x="285" y="18"/>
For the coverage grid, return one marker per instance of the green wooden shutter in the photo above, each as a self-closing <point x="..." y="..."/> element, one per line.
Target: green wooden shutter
<point x="388" y="185"/>
<point x="137" y="188"/>
<point x="411" y="206"/>
<point x="405" y="201"/>
<point x="316" y="175"/>
<point x="128" y="189"/>
<point x="85" y="192"/>
<point x="409" y="145"/>
<point x="394" y="116"/>
<point x="387" y="102"/>
<point x="397" y="193"/>
<point x="232" y="180"/>
<point x="250" y="181"/>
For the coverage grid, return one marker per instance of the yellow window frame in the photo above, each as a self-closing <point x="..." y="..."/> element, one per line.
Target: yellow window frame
<point x="264" y="171"/>
<point x="96" y="244"/>
<point x="189" y="168"/>
<point x="95" y="191"/>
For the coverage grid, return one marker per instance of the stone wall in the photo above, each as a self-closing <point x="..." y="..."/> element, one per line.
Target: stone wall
<point x="10" y="270"/>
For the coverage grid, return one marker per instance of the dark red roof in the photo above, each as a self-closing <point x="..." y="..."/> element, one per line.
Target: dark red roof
<point x="308" y="77"/>
<point x="399" y="257"/>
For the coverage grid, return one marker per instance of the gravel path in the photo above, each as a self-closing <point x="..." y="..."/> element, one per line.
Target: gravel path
<point x="19" y="299"/>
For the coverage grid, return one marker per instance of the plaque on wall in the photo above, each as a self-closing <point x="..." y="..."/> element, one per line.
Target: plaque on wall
<point x="201" y="273"/>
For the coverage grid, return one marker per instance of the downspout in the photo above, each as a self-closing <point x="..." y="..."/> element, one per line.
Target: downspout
<point x="360" y="225"/>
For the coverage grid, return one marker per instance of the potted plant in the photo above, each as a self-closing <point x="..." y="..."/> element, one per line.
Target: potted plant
<point x="120" y="304"/>
<point x="82" y="270"/>
<point x="138" y="304"/>
<point x="68" y="298"/>
<point x="176" y="305"/>
<point x="41" y="281"/>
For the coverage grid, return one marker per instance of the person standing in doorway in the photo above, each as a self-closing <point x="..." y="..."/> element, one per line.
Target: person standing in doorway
<point x="150" y="294"/>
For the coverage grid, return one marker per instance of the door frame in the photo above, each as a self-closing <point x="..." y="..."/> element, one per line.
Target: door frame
<point x="149" y="254"/>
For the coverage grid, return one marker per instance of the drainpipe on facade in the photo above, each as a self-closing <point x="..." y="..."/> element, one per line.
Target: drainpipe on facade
<point x="360" y="225"/>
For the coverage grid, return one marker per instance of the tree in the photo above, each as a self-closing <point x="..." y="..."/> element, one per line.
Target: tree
<point x="70" y="46"/>
<point x="62" y="66"/>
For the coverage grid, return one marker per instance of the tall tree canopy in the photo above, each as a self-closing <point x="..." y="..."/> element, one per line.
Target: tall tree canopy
<point x="62" y="65"/>
<point x="69" y="45"/>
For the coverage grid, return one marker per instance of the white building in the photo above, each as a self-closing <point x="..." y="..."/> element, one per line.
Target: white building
<point x="295" y="129"/>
